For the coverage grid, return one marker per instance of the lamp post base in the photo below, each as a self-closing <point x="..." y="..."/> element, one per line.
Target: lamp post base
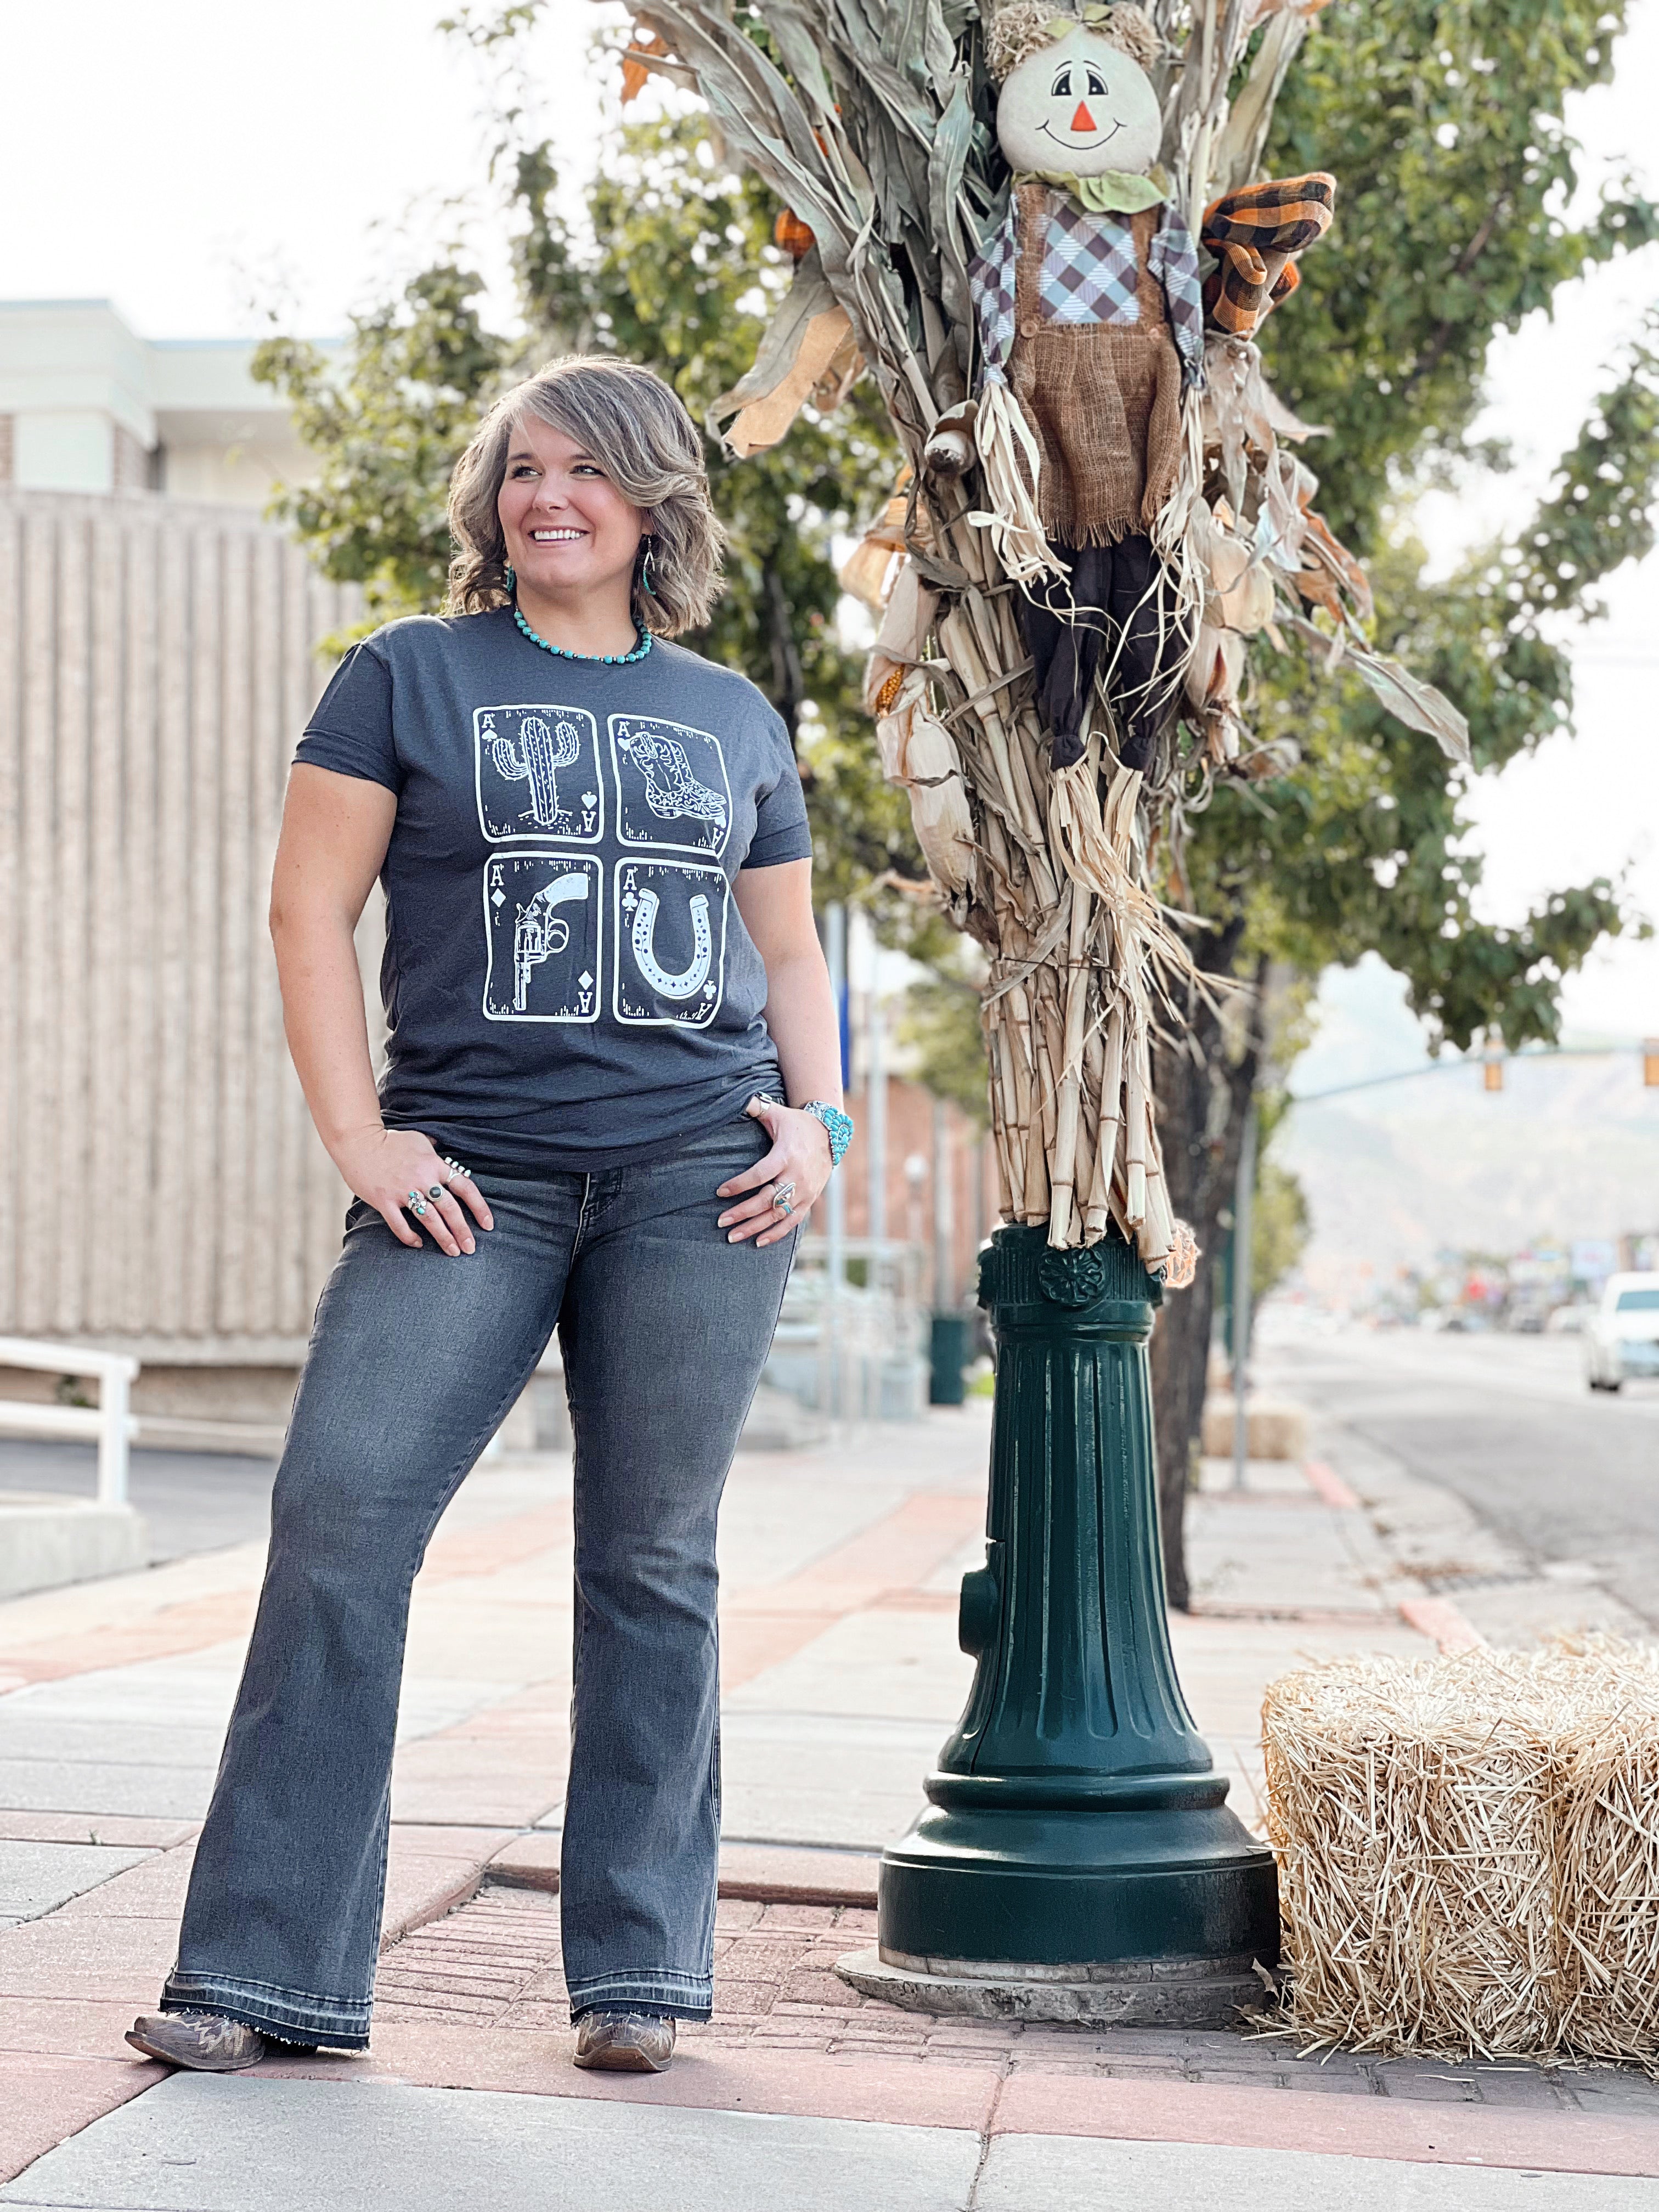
<point x="1129" y="1993"/>
<point x="1077" y="1859"/>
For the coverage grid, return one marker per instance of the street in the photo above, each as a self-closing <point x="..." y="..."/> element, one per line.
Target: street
<point x="1570" y="1477"/>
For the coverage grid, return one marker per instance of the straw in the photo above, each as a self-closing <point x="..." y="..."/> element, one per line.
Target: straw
<point x="1469" y="1851"/>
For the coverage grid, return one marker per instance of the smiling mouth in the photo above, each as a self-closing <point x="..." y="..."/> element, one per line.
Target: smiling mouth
<point x="1100" y="138"/>
<point x="556" y="536"/>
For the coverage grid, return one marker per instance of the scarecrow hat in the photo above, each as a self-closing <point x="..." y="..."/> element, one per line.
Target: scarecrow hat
<point x="1025" y="27"/>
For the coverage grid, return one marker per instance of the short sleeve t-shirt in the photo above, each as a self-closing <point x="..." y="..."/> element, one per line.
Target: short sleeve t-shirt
<point x="567" y="983"/>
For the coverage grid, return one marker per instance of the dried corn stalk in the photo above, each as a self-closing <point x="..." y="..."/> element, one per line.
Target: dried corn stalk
<point x="870" y="122"/>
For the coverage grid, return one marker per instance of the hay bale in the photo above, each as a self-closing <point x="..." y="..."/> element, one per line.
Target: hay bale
<point x="1468" y="1850"/>
<point x="1276" y="1428"/>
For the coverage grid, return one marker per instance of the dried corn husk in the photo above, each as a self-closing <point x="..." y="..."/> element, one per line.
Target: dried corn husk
<point x="917" y="752"/>
<point x="862" y="121"/>
<point x="867" y="571"/>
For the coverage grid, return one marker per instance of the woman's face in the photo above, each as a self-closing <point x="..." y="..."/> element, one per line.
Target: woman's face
<point x="568" y="530"/>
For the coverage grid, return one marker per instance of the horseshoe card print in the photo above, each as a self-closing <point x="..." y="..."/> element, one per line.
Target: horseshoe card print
<point x="537" y="773"/>
<point x="543" y="922"/>
<point x="669" y="942"/>
<point x="671" y="784"/>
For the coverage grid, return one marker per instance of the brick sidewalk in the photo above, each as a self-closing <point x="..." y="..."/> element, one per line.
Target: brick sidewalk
<point x="841" y="1678"/>
<point x="494" y="1965"/>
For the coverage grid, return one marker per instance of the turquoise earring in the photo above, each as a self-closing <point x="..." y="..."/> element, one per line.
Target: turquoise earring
<point x="647" y="586"/>
<point x="509" y="578"/>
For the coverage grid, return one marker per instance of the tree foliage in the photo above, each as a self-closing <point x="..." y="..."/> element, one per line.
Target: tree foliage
<point x="1443" y="123"/>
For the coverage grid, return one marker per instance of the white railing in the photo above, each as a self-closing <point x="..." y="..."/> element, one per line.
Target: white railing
<point x="109" y="1422"/>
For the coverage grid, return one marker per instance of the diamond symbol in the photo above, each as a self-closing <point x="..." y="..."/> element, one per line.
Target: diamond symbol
<point x="498" y="896"/>
<point x="585" y="980"/>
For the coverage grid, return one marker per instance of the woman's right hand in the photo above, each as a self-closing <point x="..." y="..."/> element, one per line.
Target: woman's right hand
<point x="383" y="1166"/>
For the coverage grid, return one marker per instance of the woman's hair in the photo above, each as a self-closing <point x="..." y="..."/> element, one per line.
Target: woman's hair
<point x="635" y="426"/>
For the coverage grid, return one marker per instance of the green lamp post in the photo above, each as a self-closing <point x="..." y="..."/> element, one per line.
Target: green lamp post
<point x="1077" y="1860"/>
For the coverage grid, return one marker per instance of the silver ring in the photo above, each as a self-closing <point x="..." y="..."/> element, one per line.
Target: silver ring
<point x="415" y="1203"/>
<point x="436" y="1190"/>
<point x="456" y="1168"/>
<point x="783" y="1197"/>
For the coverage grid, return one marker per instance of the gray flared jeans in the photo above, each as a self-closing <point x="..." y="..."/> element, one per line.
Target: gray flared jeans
<point x="414" y="1359"/>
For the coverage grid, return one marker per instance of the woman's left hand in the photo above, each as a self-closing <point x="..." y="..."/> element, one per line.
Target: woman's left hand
<point x="799" y="1156"/>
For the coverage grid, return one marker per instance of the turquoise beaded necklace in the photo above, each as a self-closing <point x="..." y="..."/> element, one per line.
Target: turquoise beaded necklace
<point x="610" y="659"/>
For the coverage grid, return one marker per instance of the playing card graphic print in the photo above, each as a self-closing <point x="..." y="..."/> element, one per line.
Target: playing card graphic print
<point x="537" y="773"/>
<point x="568" y="981"/>
<point x="542" y="919"/>
<point x="670" y="942"/>
<point x="671" y="784"/>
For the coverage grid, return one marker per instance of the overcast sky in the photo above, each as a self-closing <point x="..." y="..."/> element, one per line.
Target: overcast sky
<point x="197" y="163"/>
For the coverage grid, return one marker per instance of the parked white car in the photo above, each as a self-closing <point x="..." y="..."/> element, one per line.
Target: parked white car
<point x="1622" y="1338"/>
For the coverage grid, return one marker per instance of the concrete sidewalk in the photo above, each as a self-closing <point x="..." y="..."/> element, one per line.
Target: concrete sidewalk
<point x="841" y="1674"/>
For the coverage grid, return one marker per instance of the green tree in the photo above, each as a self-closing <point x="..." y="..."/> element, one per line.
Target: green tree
<point x="1281" y="1229"/>
<point x="1443" y="125"/>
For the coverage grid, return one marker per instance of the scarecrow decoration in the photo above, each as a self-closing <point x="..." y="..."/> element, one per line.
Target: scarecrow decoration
<point x="1046" y="234"/>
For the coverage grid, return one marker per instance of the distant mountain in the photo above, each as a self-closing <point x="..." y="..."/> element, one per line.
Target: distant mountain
<point x="1569" y="1148"/>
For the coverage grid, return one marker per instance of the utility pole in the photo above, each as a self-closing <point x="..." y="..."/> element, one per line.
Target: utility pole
<point x="875" y="1111"/>
<point x="1243" y="1207"/>
<point x="945" y="1215"/>
<point x="835" y="1197"/>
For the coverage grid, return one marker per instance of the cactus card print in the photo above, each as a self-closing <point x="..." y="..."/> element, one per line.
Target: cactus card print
<point x="537" y="773"/>
<point x="668" y="945"/>
<point x="543" y="926"/>
<point x="671" y="786"/>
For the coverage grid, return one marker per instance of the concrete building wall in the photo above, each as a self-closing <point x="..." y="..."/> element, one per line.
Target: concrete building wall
<point x="87" y="405"/>
<point x="163" y="1188"/>
<point x="67" y="448"/>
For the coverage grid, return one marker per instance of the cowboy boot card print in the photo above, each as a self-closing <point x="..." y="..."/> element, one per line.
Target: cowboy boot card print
<point x="672" y="786"/>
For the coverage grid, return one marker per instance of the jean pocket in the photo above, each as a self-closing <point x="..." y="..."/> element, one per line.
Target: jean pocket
<point x="741" y="1140"/>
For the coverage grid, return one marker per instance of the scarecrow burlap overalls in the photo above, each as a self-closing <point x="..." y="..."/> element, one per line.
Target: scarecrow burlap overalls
<point x="1090" y="351"/>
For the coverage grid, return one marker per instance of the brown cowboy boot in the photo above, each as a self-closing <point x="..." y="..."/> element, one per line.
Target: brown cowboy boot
<point x="624" y="2042"/>
<point x="206" y="2041"/>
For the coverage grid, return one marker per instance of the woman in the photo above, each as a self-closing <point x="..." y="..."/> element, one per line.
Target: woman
<point x="601" y="975"/>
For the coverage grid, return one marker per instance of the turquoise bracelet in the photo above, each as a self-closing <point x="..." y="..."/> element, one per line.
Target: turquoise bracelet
<point x="837" y="1126"/>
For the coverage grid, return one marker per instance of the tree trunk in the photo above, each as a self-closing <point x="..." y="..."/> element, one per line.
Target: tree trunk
<point x="1202" y="1094"/>
<point x="789" y="678"/>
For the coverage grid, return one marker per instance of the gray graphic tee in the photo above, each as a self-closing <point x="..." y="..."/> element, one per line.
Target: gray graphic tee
<point x="567" y="983"/>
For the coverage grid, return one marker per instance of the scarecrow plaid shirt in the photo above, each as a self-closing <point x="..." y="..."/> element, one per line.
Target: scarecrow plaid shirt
<point x="1089" y="276"/>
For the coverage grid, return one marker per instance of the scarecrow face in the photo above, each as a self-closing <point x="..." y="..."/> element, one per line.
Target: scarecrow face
<point x="1080" y="107"/>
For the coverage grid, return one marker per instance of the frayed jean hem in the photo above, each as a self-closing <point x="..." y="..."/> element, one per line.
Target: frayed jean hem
<point x="289" y="2016"/>
<point x="687" y="1997"/>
